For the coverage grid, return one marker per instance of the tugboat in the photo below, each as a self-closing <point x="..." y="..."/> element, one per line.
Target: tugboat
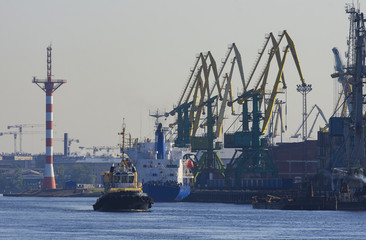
<point x="122" y="193"/>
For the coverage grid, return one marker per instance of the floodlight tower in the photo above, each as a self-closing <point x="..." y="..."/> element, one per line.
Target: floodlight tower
<point x="304" y="89"/>
<point x="49" y="85"/>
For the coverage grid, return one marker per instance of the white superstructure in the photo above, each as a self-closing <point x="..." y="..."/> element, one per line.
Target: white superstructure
<point x="152" y="169"/>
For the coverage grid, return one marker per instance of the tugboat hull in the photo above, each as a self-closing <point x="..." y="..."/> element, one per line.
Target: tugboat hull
<point x="123" y="202"/>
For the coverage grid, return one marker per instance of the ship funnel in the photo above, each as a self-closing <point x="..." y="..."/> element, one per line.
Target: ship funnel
<point x="160" y="142"/>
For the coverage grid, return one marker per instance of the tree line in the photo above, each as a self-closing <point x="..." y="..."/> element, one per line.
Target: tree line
<point x="12" y="181"/>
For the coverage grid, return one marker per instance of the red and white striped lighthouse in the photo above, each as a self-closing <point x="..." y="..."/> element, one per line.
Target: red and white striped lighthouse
<point x="49" y="86"/>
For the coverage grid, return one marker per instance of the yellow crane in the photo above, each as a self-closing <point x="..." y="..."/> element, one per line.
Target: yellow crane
<point x="262" y="83"/>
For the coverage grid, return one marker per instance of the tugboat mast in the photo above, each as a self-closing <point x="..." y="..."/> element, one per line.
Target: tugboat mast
<point x="123" y="133"/>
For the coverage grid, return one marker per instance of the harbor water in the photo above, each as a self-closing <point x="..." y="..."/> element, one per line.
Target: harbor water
<point x="74" y="218"/>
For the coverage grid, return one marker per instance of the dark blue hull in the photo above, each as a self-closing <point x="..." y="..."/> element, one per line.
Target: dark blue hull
<point x="166" y="193"/>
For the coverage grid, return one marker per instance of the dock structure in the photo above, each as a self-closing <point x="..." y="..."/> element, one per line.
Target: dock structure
<point x="49" y="85"/>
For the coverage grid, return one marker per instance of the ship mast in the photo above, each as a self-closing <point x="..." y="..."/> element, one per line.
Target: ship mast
<point x="123" y="133"/>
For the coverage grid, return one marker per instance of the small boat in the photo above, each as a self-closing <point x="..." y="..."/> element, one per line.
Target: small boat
<point x="122" y="192"/>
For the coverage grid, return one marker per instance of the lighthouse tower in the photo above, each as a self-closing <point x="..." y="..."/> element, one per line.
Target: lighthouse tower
<point x="49" y="85"/>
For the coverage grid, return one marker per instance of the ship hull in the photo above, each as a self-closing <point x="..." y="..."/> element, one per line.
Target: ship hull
<point x="166" y="192"/>
<point x="123" y="202"/>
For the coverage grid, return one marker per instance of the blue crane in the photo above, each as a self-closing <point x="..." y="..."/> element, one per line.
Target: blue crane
<point x="343" y="79"/>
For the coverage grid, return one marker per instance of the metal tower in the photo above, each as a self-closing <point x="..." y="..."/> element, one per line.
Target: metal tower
<point x="358" y="73"/>
<point x="49" y="85"/>
<point x="304" y="89"/>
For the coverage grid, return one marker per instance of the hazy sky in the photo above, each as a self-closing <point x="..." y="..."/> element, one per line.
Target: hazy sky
<point x="124" y="58"/>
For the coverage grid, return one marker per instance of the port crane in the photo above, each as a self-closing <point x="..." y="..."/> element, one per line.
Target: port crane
<point x="198" y="96"/>
<point x="263" y="80"/>
<point x="15" y="134"/>
<point x="318" y="112"/>
<point x="208" y="162"/>
<point x="344" y="79"/>
<point x="100" y="148"/>
<point x="252" y="154"/>
<point x="21" y="132"/>
<point x="198" y="89"/>
<point x="200" y="100"/>
<point x="277" y="119"/>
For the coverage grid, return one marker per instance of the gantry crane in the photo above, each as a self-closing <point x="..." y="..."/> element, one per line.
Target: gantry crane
<point x="21" y="132"/>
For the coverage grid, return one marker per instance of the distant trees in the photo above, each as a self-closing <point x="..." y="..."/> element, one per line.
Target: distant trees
<point x="82" y="174"/>
<point x="79" y="173"/>
<point x="60" y="175"/>
<point x="11" y="181"/>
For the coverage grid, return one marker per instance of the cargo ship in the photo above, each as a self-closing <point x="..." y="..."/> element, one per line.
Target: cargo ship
<point x="161" y="168"/>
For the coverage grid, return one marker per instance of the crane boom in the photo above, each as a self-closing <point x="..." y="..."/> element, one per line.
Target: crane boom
<point x="223" y="104"/>
<point x="269" y="109"/>
<point x="343" y="79"/>
<point x="312" y="109"/>
<point x="189" y="79"/>
<point x="294" y="56"/>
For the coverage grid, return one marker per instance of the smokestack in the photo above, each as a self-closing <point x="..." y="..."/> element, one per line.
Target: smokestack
<point x="66" y="145"/>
